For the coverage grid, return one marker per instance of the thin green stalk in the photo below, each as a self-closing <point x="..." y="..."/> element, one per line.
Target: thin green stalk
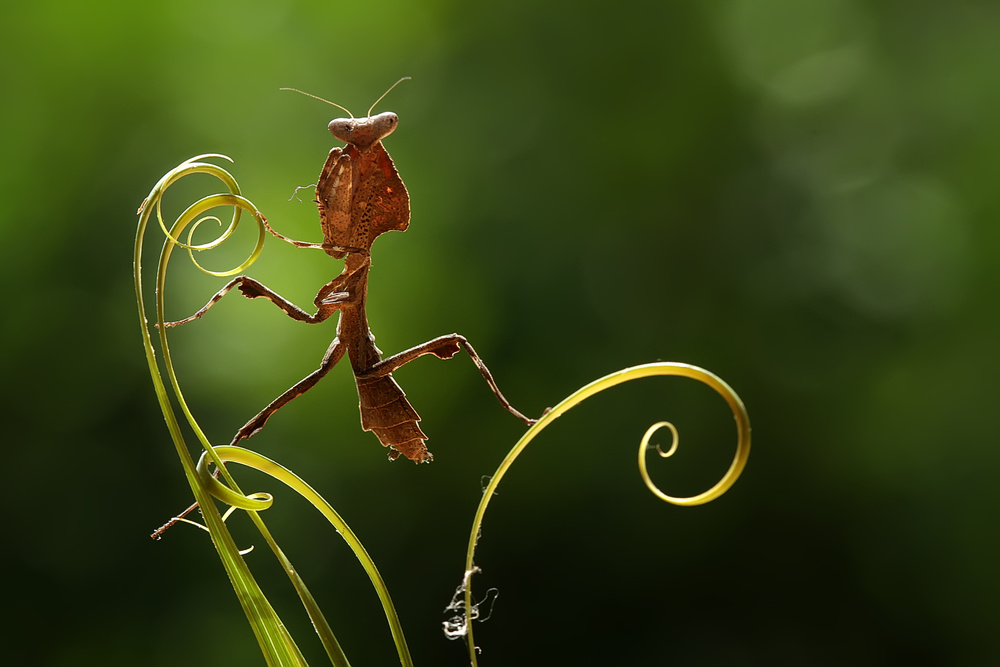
<point x="262" y="463"/>
<point x="277" y="645"/>
<point x="608" y="381"/>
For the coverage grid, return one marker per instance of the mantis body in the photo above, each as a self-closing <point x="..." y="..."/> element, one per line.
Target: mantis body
<point x="360" y="196"/>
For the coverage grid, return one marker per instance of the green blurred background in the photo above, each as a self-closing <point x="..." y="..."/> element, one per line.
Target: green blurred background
<point x="797" y="195"/>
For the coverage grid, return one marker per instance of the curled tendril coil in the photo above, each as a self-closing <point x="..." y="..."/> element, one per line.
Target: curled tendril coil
<point x="634" y="373"/>
<point x="273" y="637"/>
<point x="193" y="216"/>
<point x="233" y="198"/>
<point x="262" y="501"/>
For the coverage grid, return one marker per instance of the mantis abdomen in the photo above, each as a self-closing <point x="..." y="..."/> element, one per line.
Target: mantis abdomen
<point x="386" y="412"/>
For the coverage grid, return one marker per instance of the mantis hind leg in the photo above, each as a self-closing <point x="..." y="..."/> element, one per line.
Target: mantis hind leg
<point x="330" y="359"/>
<point x="443" y="347"/>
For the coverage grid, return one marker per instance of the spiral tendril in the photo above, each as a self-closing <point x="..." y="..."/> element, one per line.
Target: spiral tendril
<point x="608" y="381"/>
<point x="273" y="636"/>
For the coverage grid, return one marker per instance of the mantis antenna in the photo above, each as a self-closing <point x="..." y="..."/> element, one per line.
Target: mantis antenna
<point x="405" y="78"/>
<point x="316" y="97"/>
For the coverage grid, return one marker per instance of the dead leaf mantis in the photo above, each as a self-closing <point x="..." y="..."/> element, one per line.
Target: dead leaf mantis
<point x="360" y="196"/>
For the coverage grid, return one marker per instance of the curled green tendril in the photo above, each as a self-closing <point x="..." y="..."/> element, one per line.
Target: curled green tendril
<point x="253" y="502"/>
<point x="608" y="381"/>
<point x="261" y="501"/>
<point x="272" y="635"/>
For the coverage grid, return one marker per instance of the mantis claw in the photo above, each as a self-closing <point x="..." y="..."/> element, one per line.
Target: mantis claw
<point x="336" y="297"/>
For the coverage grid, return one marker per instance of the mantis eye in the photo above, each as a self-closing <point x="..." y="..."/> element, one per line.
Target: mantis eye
<point x="342" y="127"/>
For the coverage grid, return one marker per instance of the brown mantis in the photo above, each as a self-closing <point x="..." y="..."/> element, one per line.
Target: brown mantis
<point x="360" y="196"/>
